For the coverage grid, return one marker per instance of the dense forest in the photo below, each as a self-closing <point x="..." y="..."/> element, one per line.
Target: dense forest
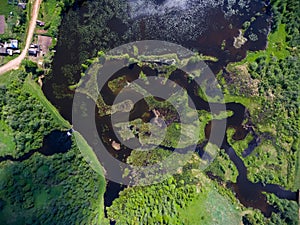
<point x="42" y="191"/>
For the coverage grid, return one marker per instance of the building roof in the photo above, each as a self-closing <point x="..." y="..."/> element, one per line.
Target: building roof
<point x="32" y="51"/>
<point x="22" y="5"/>
<point x="3" y="51"/>
<point x="14" y="44"/>
<point x="44" y="42"/>
<point x="40" y="23"/>
<point x="2" y="24"/>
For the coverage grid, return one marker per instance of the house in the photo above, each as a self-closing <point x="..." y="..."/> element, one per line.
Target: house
<point x="33" y="52"/>
<point x="34" y="49"/>
<point x="40" y="23"/>
<point x="2" y="24"/>
<point x="9" y="52"/>
<point x="13" y="44"/>
<point x="22" y="5"/>
<point x="3" y="51"/>
<point x="45" y="43"/>
<point x="9" y="48"/>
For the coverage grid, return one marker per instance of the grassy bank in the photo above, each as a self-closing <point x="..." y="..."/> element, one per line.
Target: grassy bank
<point x="88" y="153"/>
<point x="297" y="179"/>
<point x="94" y="163"/>
<point x="33" y="88"/>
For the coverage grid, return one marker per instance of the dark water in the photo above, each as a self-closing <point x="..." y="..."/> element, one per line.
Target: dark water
<point x="215" y="27"/>
<point x="54" y="143"/>
<point x="199" y="28"/>
<point x="110" y="197"/>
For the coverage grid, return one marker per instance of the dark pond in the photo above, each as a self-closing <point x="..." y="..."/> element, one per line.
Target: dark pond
<point x="54" y="143"/>
<point x="89" y="27"/>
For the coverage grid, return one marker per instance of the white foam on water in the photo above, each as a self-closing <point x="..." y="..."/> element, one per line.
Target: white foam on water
<point x="180" y="19"/>
<point x="149" y="8"/>
<point x="178" y="4"/>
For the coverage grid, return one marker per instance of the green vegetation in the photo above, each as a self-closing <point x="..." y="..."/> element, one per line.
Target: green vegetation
<point x="286" y="213"/>
<point x="73" y="32"/>
<point x="152" y="204"/>
<point x="68" y="188"/>
<point x="223" y="167"/>
<point x="26" y="112"/>
<point x="297" y="179"/>
<point x="50" y="13"/>
<point x="16" y="20"/>
<point x="59" y="189"/>
<point x="277" y="47"/>
<point x="7" y="143"/>
<point x="238" y="146"/>
<point x="187" y="197"/>
<point x="269" y="80"/>
<point x="268" y="165"/>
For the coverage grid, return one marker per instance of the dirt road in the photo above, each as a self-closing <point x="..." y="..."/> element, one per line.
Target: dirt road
<point x="15" y="63"/>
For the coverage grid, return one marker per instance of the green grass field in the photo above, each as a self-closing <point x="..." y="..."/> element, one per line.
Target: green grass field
<point x="7" y="144"/>
<point x="6" y="8"/>
<point x="6" y="78"/>
<point x="48" y="11"/>
<point x="196" y="212"/>
<point x="210" y="208"/>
